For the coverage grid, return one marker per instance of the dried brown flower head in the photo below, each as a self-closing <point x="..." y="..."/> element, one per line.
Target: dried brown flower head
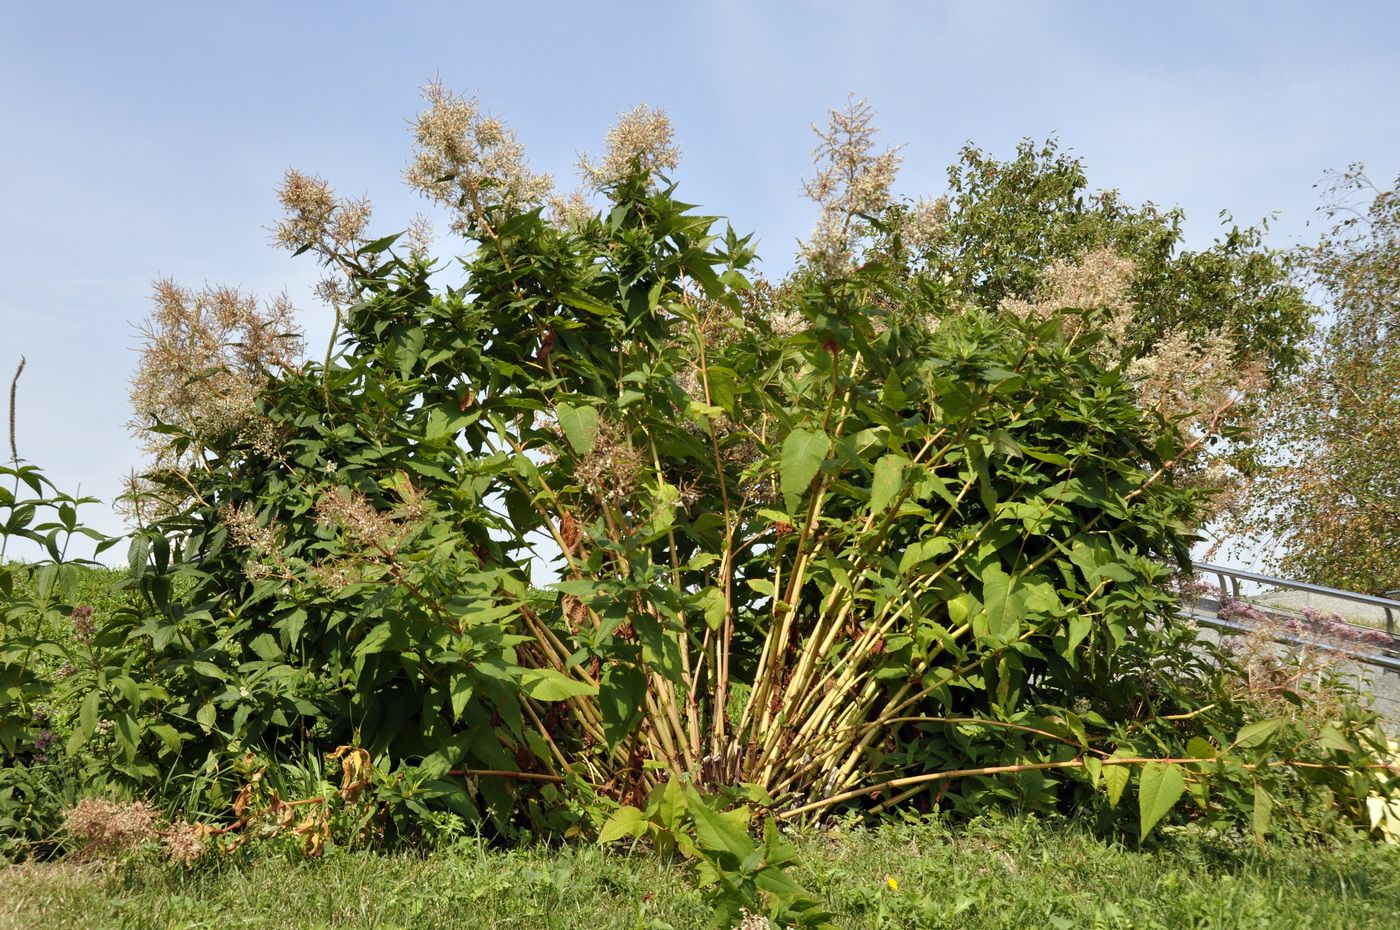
<point x="109" y="827"/>
<point x="315" y="220"/>
<point x="359" y="519"/>
<point x="571" y="210"/>
<point x="612" y="468"/>
<point x="185" y="842"/>
<point x="1101" y="280"/>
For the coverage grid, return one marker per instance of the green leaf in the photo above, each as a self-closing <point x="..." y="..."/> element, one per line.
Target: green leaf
<point x="803" y="453"/>
<point x="208" y="670"/>
<point x="545" y="684"/>
<point x="1116" y="777"/>
<point x="87" y="722"/>
<point x="1079" y="626"/>
<point x="1198" y="748"/>
<point x="621" y="700"/>
<point x="1005" y="605"/>
<point x="1160" y="788"/>
<point x="724" y="385"/>
<point x="1255" y="734"/>
<point x="461" y="689"/>
<point x="717" y="833"/>
<point x="1263" y="812"/>
<point x="169" y="737"/>
<point x="922" y="551"/>
<point x="712" y="603"/>
<point x="887" y="481"/>
<point x="1332" y="738"/>
<point x="580" y="426"/>
<point x="628" y="821"/>
<point x="136" y="554"/>
<point x="763" y="586"/>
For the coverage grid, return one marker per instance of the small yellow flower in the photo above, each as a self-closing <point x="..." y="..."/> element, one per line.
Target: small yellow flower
<point x="893" y="885"/>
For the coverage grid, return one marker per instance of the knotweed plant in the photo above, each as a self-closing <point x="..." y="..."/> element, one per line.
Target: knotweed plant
<point x="855" y="537"/>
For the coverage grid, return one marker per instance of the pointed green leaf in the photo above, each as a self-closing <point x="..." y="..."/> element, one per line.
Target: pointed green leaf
<point x="580" y="426"/>
<point x="1254" y="734"/>
<point x="545" y="684"/>
<point x="628" y="821"/>
<point x="1115" y="777"/>
<point x="1004" y="603"/>
<point x="1263" y="812"/>
<point x="922" y="551"/>
<point x="1160" y="788"/>
<point x="87" y="722"/>
<point x="886" y="482"/>
<point x="803" y="454"/>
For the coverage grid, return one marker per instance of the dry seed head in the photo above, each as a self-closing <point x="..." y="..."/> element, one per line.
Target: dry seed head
<point x="316" y="220"/>
<point x="470" y="162"/>
<point x="1192" y="377"/>
<point x="923" y="223"/>
<point x="244" y="530"/>
<point x="184" y="841"/>
<point x="335" y="574"/>
<point x="107" y="827"/>
<point x="1100" y="279"/>
<point x="642" y="137"/>
<point x="419" y="237"/>
<point x="263" y="543"/>
<point x="352" y="512"/>
<point x="611" y="469"/>
<point x="851" y="179"/>
<point x="205" y="358"/>
<point x="570" y="211"/>
<point x="751" y="921"/>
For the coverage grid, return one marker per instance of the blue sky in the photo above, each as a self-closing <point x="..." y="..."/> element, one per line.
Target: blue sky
<point x="146" y="140"/>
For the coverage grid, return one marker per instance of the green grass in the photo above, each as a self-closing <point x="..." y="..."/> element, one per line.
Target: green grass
<point x="1018" y="873"/>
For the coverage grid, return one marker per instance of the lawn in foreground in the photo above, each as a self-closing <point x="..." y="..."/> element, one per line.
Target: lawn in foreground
<point x="1018" y="873"/>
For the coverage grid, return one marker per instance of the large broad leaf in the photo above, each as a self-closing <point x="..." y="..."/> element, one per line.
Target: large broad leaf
<point x="545" y="684"/>
<point x="1255" y="734"/>
<point x="621" y="700"/>
<point x="724" y="385"/>
<point x="580" y="426"/>
<point x="1161" y="787"/>
<point x="1263" y="812"/>
<point x="803" y="453"/>
<point x="627" y="821"/>
<point x="1005" y="605"/>
<point x="716" y="833"/>
<point x="887" y="480"/>
<point x="923" y="551"/>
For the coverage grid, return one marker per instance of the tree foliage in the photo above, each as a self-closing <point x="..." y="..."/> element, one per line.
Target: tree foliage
<point x="1332" y="497"/>
<point x="1008" y="222"/>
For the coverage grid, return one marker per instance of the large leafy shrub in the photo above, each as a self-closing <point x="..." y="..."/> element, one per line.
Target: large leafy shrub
<point x="846" y="539"/>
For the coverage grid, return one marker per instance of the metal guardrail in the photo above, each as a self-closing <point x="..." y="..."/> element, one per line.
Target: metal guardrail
<point x="1235" y="576"/>
<point x="1206" y="610"/>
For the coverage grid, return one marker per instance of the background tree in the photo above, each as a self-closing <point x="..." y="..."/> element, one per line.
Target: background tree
<point x="1202" y="335"/>
<point x="1330" y="498"/>
<point x="1009" y="223"/>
